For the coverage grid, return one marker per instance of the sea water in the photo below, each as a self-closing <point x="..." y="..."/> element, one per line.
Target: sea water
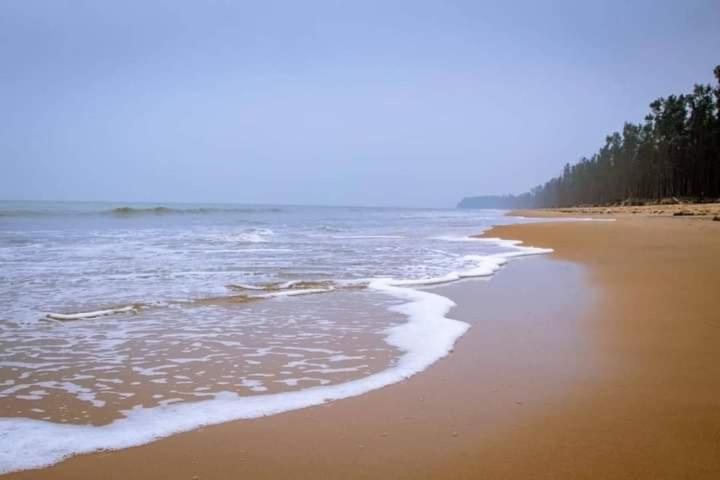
<point x="122" y="323"/>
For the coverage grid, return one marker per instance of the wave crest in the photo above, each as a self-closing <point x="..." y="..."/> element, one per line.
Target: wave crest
<point x="130" y="211"/>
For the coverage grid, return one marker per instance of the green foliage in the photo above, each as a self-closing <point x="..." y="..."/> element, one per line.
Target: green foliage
<point x="675" y="153"/>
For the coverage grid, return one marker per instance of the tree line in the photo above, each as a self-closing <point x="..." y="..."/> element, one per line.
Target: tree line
<point x="675" y="152"/>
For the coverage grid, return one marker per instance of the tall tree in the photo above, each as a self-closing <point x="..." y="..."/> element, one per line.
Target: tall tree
<point x="676" y="152"/>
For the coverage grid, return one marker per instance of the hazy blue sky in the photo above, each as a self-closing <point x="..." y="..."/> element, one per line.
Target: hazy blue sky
<point x="371" y="103"/>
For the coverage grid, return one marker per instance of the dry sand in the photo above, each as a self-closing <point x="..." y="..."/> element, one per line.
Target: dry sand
<point x="601" y="361"/>
<point x="697" y="210"/>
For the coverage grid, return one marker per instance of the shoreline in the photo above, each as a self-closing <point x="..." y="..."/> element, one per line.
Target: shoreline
<point x="427" y="336"/>
<point x="707" y="211"/>
<point x="500" y="405"/>
<point x="365" y="436"/>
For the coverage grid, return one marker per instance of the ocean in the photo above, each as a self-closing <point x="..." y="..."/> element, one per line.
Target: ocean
<point x="122" y="323"/>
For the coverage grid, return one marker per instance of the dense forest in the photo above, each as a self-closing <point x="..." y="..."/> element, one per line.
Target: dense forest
<point x="674" y="153"/>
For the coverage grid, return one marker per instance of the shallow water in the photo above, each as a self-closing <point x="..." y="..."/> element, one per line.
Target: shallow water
<point x="163" y="309"/>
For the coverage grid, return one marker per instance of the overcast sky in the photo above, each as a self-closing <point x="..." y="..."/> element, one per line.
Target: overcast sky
<point x="339" y="103"/>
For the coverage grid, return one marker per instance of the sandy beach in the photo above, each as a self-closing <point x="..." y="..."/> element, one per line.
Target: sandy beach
<point x="695" y="210"/>
<point x="360" y="240"/>
<point x="598" y="361"/>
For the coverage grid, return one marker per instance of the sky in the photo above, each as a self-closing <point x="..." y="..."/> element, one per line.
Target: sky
<point x="387" y="103"/>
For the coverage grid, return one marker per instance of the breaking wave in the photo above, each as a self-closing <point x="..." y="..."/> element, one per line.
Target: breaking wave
<point x="133" y="211"/>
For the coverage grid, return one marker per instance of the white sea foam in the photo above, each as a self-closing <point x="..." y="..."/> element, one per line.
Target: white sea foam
<point x="245" y="286"/>
<point x="292" y="293"/>
<point x="250" y="237"/>
<point x="253" y="235"/>
<point x="480" y="265"/>
<point x="367" y="237"/>
<point x="92" y="314"/>
<point x="273" y="250"/>
<point x="280" y="289"/>
<point x="455" y="238"/>
<point x="427" y="336"/>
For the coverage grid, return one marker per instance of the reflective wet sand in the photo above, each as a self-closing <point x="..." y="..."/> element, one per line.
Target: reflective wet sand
<point x="89" y="371"/>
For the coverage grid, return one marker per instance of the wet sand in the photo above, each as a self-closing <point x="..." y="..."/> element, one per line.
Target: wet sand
<point x="599" y="361"/>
